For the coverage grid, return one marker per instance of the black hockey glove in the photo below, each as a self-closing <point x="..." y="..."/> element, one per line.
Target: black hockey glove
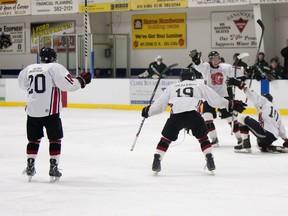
<point x="234" y="82"/>
<point x="84" y="79"/>
<point x="237" y="105"/>
<point x="195" y="56"/>
<point x="145" y="111"/>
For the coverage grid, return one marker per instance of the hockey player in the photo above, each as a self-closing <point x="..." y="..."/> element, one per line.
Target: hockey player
<point x="184" y="99"/>
<point x="155" y="68"/>
<point x="268" y="127"/>
<point x="43" y="83"/>
<point x="215" y="74"/>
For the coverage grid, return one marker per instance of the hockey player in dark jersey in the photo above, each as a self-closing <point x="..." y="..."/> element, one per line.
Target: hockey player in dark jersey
<point x="154" y="69"/>
<point x="184" y="97"/>
<point x="268" y="127"/>
<point x="215" y="74"/>
<point x="43" y="83"/>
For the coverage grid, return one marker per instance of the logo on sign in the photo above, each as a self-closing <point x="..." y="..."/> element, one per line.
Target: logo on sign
<point x="241" y="24"/>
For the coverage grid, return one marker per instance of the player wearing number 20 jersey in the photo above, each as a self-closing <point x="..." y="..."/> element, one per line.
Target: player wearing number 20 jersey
<point x="43" y="83"/>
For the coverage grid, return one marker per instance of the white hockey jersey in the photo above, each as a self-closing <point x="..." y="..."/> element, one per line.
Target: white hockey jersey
<point x="185" y="96"/>
<point x="43" y="83"/>
<point x="216" y="78"/>
<point x="269" y="116"/>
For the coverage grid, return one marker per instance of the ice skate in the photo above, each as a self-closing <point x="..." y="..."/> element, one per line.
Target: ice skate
<point x="215" y="143"/>
<point x="210" y="162"/>
<point x="156" y="166"/>
<point x="54" y="172"/>
<point x="30" y="169"/>
<point x="244" y="147"/>
<point x="274" y="149"/>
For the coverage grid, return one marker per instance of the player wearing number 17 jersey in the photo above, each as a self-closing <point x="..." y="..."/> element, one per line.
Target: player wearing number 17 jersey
<point x="184" y="97"/>
<point x="268" y="127"/>
<point x="43" y="83"/>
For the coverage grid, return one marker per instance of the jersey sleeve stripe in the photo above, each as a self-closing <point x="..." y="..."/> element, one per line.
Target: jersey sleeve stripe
<point x="55" y="101"/>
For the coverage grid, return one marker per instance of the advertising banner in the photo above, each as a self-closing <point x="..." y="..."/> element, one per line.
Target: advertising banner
<point x="157" y="4"/>
<point x="268" y="1"/>
<point x="40" y="30"/>
<point x="41" y="7"/>
<point x="234" y="29"/>
<point x="211" y="3"/>
<point x="159" y="31"/>
<point x="141" y="89"/>
<point x="104" y="5"/>
<point x="14" y="8"/>
<point x="12" y="39"/>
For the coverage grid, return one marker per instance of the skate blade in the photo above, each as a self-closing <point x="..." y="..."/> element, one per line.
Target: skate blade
<point x="215" y="145"/>
<point x="212" y="172"/>
<point x="54" y="179"/>
<point x="243" y="151"/>
<point x="29" y="178"/>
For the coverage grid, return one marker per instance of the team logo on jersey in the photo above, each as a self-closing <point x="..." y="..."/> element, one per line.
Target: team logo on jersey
<point x="217" y="78"/>
<point x="241" y="24"/>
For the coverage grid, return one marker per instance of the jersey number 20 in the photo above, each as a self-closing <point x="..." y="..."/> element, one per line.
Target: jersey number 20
<point x="37" y="83"/>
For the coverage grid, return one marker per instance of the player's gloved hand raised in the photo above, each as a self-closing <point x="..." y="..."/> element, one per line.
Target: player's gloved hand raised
<point x="234" y="82"/>
<point x="84" y="79"/>
<point x="145" y="111"/>
<point x="237" y="105"/>
<point x="285" y="144"/>
<point x="195" y="56"/>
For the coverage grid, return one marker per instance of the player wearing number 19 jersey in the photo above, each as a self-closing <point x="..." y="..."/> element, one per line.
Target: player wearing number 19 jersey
<point x="184" y="100"/>
<point x="44" y="83"/>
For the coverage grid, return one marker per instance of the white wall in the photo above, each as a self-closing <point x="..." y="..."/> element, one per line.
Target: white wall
<point x="117" y="92"/>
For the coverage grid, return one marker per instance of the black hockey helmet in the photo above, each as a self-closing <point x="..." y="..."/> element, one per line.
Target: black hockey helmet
<point x="213" y="54"/>
<point x="47" y="55"/>
<point x="188" y="74"/>
<point x="268" y="96"/>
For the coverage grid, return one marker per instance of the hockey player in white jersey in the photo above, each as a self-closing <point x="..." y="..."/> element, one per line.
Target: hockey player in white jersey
<point x="184" y="97"/>
<point x="268" y="127"/>
<point x="215" y="74"/>
<point x="43" y="83"/>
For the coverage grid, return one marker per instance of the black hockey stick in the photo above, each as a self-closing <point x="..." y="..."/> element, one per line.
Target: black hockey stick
<point x="260" y="23"/>
<point x="238" y="58"/>
<point x="150" y="101"/>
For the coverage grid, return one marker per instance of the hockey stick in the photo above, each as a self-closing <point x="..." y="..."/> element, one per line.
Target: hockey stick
<point x="238" y="58"/>
<point x="260" y="23"/>
<point x="150" y="102"/>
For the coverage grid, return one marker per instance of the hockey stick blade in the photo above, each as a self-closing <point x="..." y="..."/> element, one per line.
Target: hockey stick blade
<point x="242" y="55"/>
<point x="260" y="23"/>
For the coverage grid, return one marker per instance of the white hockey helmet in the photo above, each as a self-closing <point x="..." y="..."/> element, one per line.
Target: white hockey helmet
<point x="158" y="58"/>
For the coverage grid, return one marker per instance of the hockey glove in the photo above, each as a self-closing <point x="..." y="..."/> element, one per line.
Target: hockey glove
<point x="237" y="105"/>
<point x="195" y="56"/>
<point x="285" y="144"/>
<point x="84" y="79"/>
<point x="234" y="82"/>
<point x="145" y="111"/>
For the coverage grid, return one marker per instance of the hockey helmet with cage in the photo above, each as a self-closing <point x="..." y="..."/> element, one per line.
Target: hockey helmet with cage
<point x="214" y="54"/>
<point x="268" y="96"/>
<point x="187" y="74"/>
<point x="47" y="55"/>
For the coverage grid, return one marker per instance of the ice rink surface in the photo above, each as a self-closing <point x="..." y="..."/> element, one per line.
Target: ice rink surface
<point x="102" y="177"/>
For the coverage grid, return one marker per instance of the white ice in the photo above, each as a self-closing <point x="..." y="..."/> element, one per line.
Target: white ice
<point x="102" y="177"/>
